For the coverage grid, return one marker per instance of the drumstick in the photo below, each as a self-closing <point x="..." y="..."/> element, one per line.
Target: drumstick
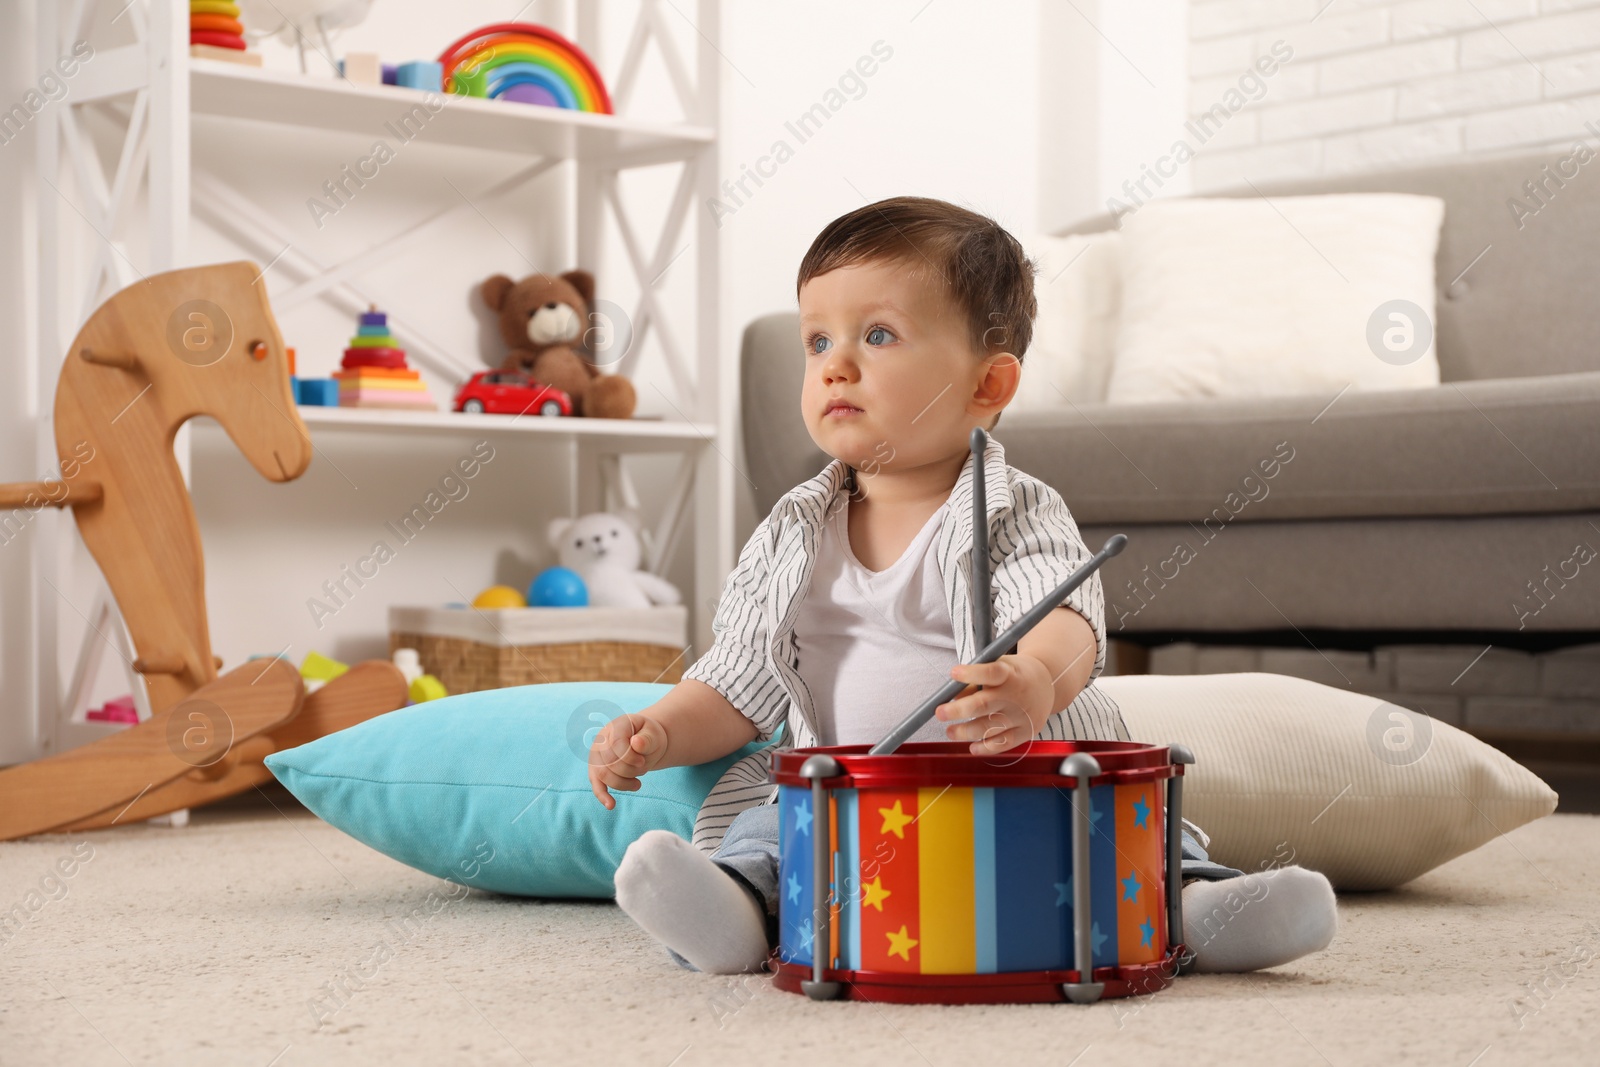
<point x="982" y="625"/>
<point x="913" y="722"/>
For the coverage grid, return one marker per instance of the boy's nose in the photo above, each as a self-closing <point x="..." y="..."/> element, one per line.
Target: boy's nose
<point x="836" y="368"/>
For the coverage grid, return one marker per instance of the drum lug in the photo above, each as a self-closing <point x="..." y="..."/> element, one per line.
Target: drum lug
<point x="817" y="768"/>
<point x="820" y="766"/>
<point x="1177" y="754"/>
<point x="1081" y="767"/>
<point x="1082" y="992"/>
<point x="820" y="990"/>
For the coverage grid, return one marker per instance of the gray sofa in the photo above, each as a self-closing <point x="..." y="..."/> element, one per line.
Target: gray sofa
<point x="1463" y="512"/>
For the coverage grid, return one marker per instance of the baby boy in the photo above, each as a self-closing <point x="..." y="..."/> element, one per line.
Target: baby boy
<point x="852" y="599"/>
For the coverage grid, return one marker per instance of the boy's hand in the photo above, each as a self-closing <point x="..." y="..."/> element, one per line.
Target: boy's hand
<point x="625" y="748"/>
<point x="1013" y="705"/>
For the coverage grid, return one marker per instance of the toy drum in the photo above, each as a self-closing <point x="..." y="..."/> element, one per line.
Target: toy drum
<point x="933" y="875"/>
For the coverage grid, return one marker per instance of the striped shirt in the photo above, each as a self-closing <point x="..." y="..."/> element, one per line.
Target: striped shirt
<point x="1034" y="546"/>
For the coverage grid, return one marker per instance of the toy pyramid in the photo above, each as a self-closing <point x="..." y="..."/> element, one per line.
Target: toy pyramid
<point x="215" y="32"/>
<point x="374" y="374"/>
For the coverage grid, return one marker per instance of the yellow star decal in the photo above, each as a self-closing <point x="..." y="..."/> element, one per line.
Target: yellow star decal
<point x="894" y="820"/>
<point x="876" y="894"/>
<point x="901" y="944"/>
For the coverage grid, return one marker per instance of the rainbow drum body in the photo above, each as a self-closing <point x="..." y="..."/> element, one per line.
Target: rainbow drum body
<point x="933" y="875"/>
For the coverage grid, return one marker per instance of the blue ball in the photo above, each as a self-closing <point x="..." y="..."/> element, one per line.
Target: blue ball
<point x="558" y="587"/>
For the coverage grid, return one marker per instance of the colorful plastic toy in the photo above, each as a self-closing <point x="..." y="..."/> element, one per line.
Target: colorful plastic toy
<point x="427" y="688"/>
<point x="317" y="670"/>
<point x="499" y="596"/>
<point x="409" y="663"/>
<point x="558" y="587"/>
<point x="958" y="879"/>
<point x="510" y="392"/>
<point x="527" y="63"/>
<point x="361" y="68"/>
<point x="935" y="875"/>
<point x="317" y="392"/>
<point x="215" y="32"/>
<point x="373" y="372"/>
<point x="421" y="74"/>
<point x="119" y="709"/>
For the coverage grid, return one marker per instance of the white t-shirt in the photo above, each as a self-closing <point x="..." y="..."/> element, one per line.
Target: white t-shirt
<point x="872" y="645"/>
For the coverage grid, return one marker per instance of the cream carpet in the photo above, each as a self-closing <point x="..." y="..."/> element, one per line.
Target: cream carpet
<point x="217" y="943"/>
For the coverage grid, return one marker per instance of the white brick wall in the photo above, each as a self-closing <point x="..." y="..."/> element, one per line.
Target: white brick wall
<point x="1380" y="84"/>
<point x="1555" y="692"/>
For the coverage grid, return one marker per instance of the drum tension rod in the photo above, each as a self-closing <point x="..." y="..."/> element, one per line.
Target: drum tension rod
<point x="1178" y="754"/>
<point x="1081" y="766"/>
<point x="817" y="768"/>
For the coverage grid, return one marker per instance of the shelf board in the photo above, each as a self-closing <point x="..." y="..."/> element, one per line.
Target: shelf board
<point x="626" y="434"/>
<point x="232" y="91"/>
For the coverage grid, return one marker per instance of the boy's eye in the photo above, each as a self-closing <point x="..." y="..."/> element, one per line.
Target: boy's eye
<point x="818" y="344"/>
<point x="879" y="336"/>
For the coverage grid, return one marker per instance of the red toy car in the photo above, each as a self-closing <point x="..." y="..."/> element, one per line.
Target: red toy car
<point x="510" y="392"/>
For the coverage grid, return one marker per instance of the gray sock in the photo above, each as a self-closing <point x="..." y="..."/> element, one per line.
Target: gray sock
<point x="1258" y="920"/>
<point x="691" y="905"/>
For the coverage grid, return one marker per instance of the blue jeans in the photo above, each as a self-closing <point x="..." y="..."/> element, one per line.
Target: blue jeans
<point x="749" y="853"/>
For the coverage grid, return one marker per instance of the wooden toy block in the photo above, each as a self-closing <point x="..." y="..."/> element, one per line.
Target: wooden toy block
<point x="362" y="68"/>
<point x="318" y="392"/>
<point x="421" y="74"/>
<point x="231" y="55"/>
<point x="320" y="668"/>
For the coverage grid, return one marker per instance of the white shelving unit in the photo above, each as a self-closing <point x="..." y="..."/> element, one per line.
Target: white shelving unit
<point x="154" y="89"/>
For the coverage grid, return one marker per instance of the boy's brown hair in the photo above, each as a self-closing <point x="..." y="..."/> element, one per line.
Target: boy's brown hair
<point x="982" y="267"/>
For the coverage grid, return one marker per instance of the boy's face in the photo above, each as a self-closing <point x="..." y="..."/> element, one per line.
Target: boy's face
<point x="883" y="336"/>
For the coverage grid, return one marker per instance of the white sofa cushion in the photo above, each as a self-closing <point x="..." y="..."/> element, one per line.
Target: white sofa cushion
<point x="1079" y="290"/>
<point x="1263" y="297"/>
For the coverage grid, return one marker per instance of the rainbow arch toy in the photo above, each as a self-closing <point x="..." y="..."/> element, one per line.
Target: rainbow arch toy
<point x="526" y="63"/>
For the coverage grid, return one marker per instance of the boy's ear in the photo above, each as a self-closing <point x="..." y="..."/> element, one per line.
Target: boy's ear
<point x="1002" y="374"/>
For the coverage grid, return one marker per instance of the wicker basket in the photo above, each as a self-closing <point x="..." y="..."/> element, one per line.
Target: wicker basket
<point x="475" y="649"/>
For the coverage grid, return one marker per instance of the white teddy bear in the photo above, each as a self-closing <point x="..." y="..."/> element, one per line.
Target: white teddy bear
<point x="603" y="549"/>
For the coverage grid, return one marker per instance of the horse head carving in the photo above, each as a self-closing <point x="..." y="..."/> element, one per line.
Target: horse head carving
<point x="198" y="341"/>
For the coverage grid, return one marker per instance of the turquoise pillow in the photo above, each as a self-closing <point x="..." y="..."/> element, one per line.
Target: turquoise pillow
<point x="491" y="789"/>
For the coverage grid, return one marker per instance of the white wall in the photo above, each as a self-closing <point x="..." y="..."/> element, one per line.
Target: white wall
<point x="1113" y="78"/>
<point x="1379" y="85"/>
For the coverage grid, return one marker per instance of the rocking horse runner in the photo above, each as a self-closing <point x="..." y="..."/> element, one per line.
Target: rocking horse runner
<point x="199" y="341"/>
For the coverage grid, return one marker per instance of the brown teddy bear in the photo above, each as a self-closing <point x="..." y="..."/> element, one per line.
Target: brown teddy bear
<point x="543" y="321"/>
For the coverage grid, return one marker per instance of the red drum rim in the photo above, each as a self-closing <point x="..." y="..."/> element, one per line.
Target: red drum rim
<point x="953" y="763"/>
<point x="1006" y="987"/>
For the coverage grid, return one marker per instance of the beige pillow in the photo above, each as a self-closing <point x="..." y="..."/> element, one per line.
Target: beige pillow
<point x="1079" y="290"/>
<point x="1293" y="295"/>
<point x="1368" y="793"/>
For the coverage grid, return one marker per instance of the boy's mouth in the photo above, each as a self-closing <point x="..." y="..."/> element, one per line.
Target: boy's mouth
<point x="840" y="409"/>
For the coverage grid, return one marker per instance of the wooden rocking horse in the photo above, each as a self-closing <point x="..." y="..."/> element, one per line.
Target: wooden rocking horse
<point x="200" y="341"/>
